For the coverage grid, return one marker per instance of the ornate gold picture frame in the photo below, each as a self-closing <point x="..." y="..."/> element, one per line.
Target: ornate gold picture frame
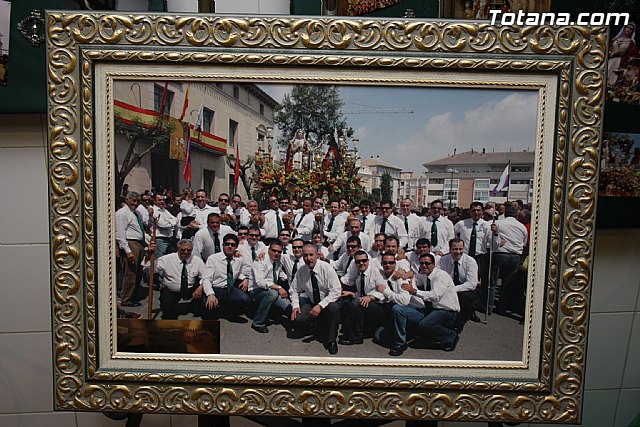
<point x="89" y="54"/>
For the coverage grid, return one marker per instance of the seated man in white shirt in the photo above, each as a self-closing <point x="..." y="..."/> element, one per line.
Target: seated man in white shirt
<point x="207" y="241"/>
<point x="432" y="309"/>
<point x="463" y="269"/>
<point x="266" y="287"/>
<point x="363" y="307"/>
<point x="224" y="285"/>
<point x="319" y="310"/>
<point x="254" y="250"/>
<point x="345" y="262"/>
<point x="179" y="273"/>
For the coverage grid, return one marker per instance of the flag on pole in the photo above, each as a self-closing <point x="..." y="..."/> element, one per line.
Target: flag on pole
<point x="197" y="127"/>
<point x="186" y="103"/>
<point x="236" y="171"/>
<point x="504" y="180"/>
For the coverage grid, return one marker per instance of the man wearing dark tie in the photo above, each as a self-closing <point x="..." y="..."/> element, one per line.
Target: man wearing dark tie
<point x="463" y="269"/>
<point x="179" y="273"/>
<point x="439" y="229"/>
<point x="319" y="310"/>
<point x="362" y="301"/>
<point x="208" y="241"/>
<point x="304" y="222"/>
<point x="267" y="277"/>
<point x="222" y="272"/>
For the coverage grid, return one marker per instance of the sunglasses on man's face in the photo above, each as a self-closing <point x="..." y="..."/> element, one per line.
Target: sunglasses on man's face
<point x="254" y="235"/>
<point x="232" y="244"/>
<point x="362" y="261"/>
<point x="388" y="262"/>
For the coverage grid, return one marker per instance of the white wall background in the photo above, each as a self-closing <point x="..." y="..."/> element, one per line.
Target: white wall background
<point x="612" y="396"/>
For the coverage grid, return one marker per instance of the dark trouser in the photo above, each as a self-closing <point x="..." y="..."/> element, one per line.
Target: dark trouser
<point x="438" y="326"/>
<point x="468" y="300"/>
<point x="131" y="271"/>
<point x="230" y="304"/>
<point x="356" y="318"/>
<point x="483" y="274"/>
<point x="504" y="266"/>
<point x="325" y="326"/>
<point x="171" y="306"/>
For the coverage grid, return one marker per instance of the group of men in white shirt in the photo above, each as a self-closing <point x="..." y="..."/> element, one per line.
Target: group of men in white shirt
<point x="389" y="276"/>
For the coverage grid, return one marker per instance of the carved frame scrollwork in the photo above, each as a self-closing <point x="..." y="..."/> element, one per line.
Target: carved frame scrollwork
<point x="76" y="42"/>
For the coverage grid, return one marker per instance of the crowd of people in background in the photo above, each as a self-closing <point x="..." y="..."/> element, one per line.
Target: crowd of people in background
<point x="342" y="271"/>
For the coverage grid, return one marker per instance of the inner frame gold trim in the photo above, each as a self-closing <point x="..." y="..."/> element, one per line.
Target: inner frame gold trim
<point x="77" y="42"/>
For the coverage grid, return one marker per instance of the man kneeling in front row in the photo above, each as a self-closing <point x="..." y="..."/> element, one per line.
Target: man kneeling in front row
<point x="433" y="309"/>
<point x="320" y="310"/>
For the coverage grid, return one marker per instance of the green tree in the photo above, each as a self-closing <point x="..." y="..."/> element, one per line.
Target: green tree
<point x="386" y="190"/>
<point x="314" y="108"/>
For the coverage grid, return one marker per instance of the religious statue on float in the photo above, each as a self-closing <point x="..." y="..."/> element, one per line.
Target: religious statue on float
<point x="297" y="152"/>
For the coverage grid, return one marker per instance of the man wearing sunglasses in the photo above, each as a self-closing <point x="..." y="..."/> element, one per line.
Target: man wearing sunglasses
<point x="179" y="273"/>
<point x="361" y="302"/>
<point x="439" y="229"/>
<point x="319" y="310"/>
<point x="266" y="287"/>
<point x="224" y="284"/>
<point x="388" y="224"/>
<point x="293" y="260"/>
<point x="345" y="262"/>
<point x="254" y="250"/>
<point x="432" y="308"/>
<point x="355" y="229"/>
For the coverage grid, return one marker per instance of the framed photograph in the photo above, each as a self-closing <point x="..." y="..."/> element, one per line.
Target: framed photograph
<point x="109" y="70"/>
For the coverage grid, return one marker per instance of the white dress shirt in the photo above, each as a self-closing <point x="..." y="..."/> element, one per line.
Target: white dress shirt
<point x="144" y="215"/>
<point x="337" y="228"/>
<point x="340" y="245"/>
<point x="416" y="229"/>
<point x="204" y="242"/>
<point x="245" y="251"/>
<point x="342" y="265"/>
<point x="512" y="236"/>
<point x="127" y="228"/>
<point x="467" y="269"/>
<point x="414" y="261"/>
<point x="228" y="210"/>
<point x="215" y="272"/>
<point x="393" y="291"/>
<point x="243" y="215"/>
<point x="328" y="284"/>
<point x="372" y="278"/>
<point x="166" y="222"/>
<point x="270" y="226"/>
<point x="366" y="224"/>
<point x="170" y="268"/>
<point x="304" y="224"/>
<point x="262" y="273"/>
<point x="202" y="214"/>
<point x="445" y="233"/>
<point x="443" y="293"/>
<point x="463" y="230"/>
<point x="394" y="227"/>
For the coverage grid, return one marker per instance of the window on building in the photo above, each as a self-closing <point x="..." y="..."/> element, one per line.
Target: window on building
<point x="233" y="133"/>
<point x="158" y="91"/>
<point x="207" y="120"/>
<point x="437" y="193"/>
<point x="209" y="177"/>
<point x="481" y="188"/>
<point x="236" y="92"/>
<point x="232" y="190"/>
<point x="261" y="109"/>
<point x="436" y="181"/>
<point x="451" y="191"/>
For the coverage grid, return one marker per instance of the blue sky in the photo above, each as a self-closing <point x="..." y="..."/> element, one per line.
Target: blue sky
<point x="442" y="119"/>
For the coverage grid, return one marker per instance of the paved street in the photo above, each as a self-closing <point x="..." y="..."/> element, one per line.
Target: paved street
<point x="499" y="339"/>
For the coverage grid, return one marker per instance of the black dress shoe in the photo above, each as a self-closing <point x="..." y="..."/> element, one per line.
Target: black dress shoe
<point x="474" y="318"/>
<point x="331" y="346"/>
<point x="132" y="304"/>
<point x="452" y="346"/>
<point x="261" y="329"/>
<point x="397" y="350"/>
<point x="345" y="341"/>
